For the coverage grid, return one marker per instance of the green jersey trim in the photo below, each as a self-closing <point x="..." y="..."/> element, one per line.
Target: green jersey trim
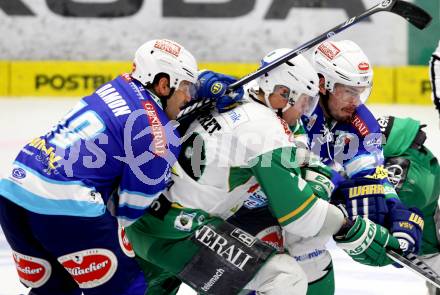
<point x="289" y="196"/>
<point x="238" y="176"/>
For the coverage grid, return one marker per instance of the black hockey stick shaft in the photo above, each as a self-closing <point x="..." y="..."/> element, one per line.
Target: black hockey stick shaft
<point x="417" y="266"/>
<point x="412" y="13"/>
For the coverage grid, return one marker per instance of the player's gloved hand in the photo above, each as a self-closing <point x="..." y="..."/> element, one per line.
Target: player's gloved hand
<point x="364" y="197"/>
<point x="319" y="180"/>
<point x="321" y="185"/>
<point x="366" y="242"/>
<point x="214" y="85"/>
<point x="406" y="224"/>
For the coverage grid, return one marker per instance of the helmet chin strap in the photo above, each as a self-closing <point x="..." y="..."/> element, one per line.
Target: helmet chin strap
<point x="288" y="106"/>
<point x="267" y="101"/>
<point x="279" y="111"/>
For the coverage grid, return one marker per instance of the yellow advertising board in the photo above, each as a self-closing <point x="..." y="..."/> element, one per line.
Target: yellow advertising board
<point x="412" y="85"/>
<point x="404" y="85"/>
<point x="4" y="78"/>
<point x="382" y="90"/>
<point x="68" y="78"/>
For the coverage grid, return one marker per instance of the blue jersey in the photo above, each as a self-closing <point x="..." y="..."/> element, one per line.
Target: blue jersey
<point x="113" y="149"/>
<point x="355" y="145"/>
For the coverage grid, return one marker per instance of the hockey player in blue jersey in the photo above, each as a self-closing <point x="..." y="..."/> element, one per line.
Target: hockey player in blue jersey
<point x="344" y="133"/>
<point x="109" y="157"/>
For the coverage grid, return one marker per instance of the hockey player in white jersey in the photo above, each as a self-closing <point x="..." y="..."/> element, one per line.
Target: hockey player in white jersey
<point x="226" y="153"/>
<point x="255" y="217"/>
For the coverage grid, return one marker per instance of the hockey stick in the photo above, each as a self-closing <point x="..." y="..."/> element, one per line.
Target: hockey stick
<point x="417" y="266"/>
<point x="412" y="13"/>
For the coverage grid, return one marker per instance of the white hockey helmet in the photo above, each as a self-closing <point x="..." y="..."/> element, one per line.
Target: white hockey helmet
<point x="343" y="62"/>
<point x="164" y="56"/>
<point x="297" y="74"/>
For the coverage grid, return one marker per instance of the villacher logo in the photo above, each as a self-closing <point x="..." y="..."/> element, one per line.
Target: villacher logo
<point x="32" y="271"/>
<point x="90" y="268"/>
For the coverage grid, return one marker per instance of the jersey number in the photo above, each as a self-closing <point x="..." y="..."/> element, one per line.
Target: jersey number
<point x="85" y="126"/>
<point x="193" y="156"/>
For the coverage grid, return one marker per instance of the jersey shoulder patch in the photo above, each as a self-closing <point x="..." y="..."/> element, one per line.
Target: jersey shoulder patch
<point x="235" y="117"/>
<point x="264" y="123"/>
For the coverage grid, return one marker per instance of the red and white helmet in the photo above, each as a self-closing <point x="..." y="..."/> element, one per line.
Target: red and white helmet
<point x="345" y="63"/>
<point x="164" y="56"/>
<point x="297" y="74"/>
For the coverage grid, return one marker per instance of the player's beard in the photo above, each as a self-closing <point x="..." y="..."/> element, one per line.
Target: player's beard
<point x="344" y="115"/>
<point x="164" y="98"/>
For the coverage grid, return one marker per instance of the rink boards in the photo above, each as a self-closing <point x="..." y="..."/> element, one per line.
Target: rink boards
<point x="405" y="84"/>
<point x="402" y="84"/>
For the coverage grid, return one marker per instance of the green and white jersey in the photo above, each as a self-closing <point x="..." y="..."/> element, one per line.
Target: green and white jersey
<point x="226" y="154"/>
<point x="300" y="134"/>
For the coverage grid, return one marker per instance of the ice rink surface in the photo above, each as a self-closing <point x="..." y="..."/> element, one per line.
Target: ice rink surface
<point x="23" y="119"/>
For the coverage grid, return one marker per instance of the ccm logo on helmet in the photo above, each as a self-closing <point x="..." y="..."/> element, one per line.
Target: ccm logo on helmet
<point x="32" y="271"/>
<point x="90" y="268"/>
<point x="168" y="46"/>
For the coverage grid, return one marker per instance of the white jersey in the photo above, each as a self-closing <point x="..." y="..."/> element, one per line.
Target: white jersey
<point x="226" y="155"/>
<point x="222" y="143"/>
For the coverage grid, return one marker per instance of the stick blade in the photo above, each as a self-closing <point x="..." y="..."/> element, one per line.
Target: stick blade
<point x="417" y="266"/>
<point x="412" y="13"/>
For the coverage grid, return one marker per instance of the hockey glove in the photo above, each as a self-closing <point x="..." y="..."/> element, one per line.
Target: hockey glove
<point x="320" y="181"/>
<point x="214" y="85"/>
<point x="406" y="224"/>
<point x="364" y="197"/>
<point x="321" y="178"/>
<point x="366" y="242"/>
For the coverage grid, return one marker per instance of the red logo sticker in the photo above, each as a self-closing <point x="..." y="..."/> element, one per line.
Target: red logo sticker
<point x="168" y="47"/>
<point x="253" y="188"/>
<point x="364" y="66"/>
<point x="32" y="271"/>
<point x="272" y="236"/>
<point x="90" y="268"/>
<point x="329" y="50"/>
<point x="125" y="244"/>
